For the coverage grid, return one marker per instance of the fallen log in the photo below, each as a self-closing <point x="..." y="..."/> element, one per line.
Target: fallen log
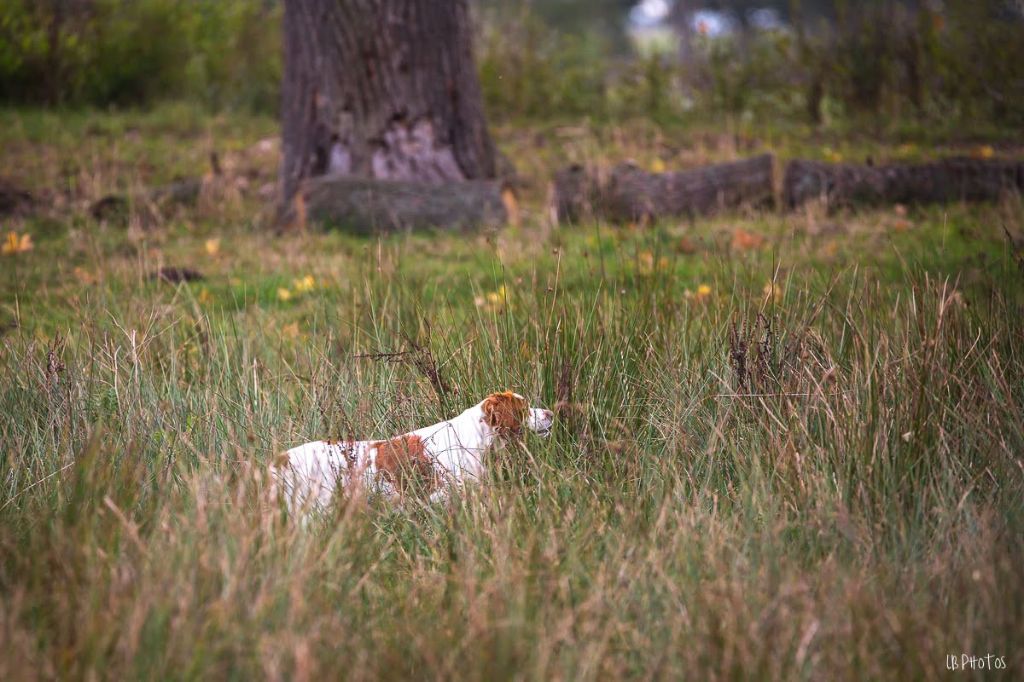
<point x="370" y="206"/>
<point x="173" y="274"/>
<point x="115" y="208"/>
<point x="948" y="180"/>
<point x="628" y="193"/>
<point x="15" y="200"/>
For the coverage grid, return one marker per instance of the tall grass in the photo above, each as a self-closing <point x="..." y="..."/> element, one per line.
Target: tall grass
<point x="823" y="485"/>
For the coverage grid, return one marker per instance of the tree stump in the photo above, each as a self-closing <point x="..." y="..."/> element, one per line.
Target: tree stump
<point x="384" y="90"/>
<point x="628" y="193"/>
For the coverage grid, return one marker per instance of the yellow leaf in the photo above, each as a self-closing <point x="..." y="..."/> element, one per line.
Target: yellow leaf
<point x="773" y="292"/>
<point x="305" y="284"/>
<point x="646" y="259"/>
<point x="213" y="246"/>
<point x="14" y="244"/>
<point x="985" y="151"/>
<point x="508" y="197"/>
<point x="283" y="294"/>
<point x="492" y="300"/>
<point x="657" y="166"/>
<point x="703" y="291"/>
<point x="831" y="155"/>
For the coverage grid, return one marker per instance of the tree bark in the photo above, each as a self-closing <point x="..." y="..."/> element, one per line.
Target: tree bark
<point x="628" y="193"/>
<point x="956" y="179"/>
<point x="381" y="89"/>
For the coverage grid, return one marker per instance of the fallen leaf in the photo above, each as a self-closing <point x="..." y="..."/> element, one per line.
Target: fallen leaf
<point x="746" y="241"/>
<point x="14" y="244"/>
<point x="772" y="292"/>
<point x="84" y="276"/>
<point x="832" y="155"/>
<point x="492" y="301"/>
<point x="646" y="260"/>
<point x="213" y="246"/>
<point x="508" y="198"/>
<point x="984" y="151"/>
<point x="304" y="284"/>
<point x="686" y="246"/>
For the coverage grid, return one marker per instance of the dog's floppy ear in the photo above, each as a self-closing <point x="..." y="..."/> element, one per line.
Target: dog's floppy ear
<point x="505" y="413"/>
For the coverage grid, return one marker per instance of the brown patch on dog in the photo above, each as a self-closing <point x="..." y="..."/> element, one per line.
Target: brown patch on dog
<point x="404" y="463"/>
<point x="505" y="413"/>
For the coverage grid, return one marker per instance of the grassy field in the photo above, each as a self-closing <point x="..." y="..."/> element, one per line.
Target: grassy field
<point x="789" y="446"/>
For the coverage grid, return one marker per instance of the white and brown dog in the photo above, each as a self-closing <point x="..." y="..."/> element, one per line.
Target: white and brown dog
<point x="427" y="461"/>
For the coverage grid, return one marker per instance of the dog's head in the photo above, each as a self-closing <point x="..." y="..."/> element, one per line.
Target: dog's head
<point x="508" y="414"/>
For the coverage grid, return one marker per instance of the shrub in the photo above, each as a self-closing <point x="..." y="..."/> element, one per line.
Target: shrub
<point x="113" y="52"/>
<point x="881" y="59"/>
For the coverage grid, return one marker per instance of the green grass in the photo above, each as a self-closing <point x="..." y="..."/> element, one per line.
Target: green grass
<point x="848" y="506"/>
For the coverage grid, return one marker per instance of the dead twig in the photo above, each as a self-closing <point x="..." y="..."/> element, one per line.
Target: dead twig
<point x="422" y="358"/>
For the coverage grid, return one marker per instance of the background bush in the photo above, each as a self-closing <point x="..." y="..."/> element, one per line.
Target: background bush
<point x="224" y="53"/>
<point x="876" y="59"/>
<point x="880" y="59"/>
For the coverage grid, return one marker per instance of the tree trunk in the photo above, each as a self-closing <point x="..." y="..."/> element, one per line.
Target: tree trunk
<point x="381" y="89"/>
<point x="956" y="179"/>
<point x="629" y="193"/>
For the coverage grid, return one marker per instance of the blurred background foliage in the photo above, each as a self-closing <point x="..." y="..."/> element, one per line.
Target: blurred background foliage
<point x="224" y="53"/>
<point x="820" y="61"/>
